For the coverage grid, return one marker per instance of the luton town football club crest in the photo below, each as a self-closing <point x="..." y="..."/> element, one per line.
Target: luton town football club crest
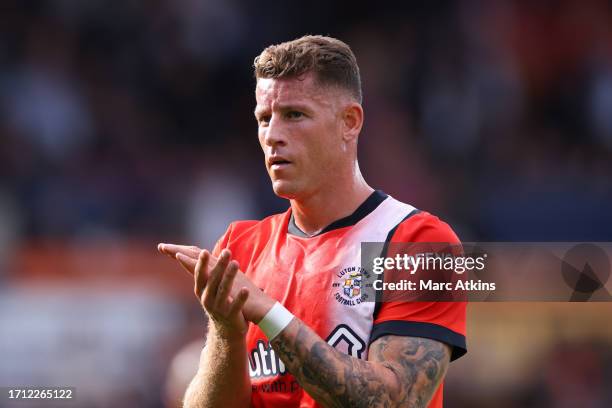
<point x="350" y="285"/>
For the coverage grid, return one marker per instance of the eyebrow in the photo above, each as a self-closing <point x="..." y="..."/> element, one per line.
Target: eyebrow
<point x="284" y="107"/>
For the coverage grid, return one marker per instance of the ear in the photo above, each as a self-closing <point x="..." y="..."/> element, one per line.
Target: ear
<point x="352" y="121"/>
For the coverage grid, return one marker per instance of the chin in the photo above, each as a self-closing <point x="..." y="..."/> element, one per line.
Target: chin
<point x="285" y="189"/>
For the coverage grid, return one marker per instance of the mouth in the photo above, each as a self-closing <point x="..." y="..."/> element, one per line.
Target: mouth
<point x="278" y="162"/>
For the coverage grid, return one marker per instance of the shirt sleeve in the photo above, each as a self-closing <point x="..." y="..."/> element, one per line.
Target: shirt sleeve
<point x="223" y="242"/>
<point x="230" y="239"/>
<point x="442" y="321"/>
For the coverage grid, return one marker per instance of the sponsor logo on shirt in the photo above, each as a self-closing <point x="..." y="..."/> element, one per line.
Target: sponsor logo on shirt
<point x="263" y="361"/>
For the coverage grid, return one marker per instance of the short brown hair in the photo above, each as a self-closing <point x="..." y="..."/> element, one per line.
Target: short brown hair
<point x="332" y="61"/>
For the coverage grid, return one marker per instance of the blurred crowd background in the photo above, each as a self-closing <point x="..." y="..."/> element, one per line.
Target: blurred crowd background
<point x="128" y="123"/>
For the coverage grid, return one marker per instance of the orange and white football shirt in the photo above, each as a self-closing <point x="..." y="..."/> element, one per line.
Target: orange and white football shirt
<point x="308" y="276"/>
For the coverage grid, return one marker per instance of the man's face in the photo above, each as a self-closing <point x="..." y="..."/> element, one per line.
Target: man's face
<point x="300" y="132"/>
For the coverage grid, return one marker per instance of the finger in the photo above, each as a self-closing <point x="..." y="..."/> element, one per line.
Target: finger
<point x="172" y="250"/>
<point x="215" y="278"/>
<point x="239" y="301"/>
<point x="201" y="273"/>
<point x="226" y="282"/>
<point x="186" y="262"/>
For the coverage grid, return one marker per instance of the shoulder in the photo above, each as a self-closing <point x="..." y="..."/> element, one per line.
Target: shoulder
<point x="246" y="239"/>
<point x="244" y="234"/>
<point x="246" y="228"/>
<point x="422" y="226"/>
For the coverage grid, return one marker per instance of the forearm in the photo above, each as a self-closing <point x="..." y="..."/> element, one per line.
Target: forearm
<point x="332" y="378"/>
<point x="401" y="370"/>
<point x="222" y="378"/>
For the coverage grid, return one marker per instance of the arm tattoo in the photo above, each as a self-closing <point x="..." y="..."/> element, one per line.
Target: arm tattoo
<point x="287" y="354"/>
<point x="419" y="365"/>
<point x="400" y="371"/>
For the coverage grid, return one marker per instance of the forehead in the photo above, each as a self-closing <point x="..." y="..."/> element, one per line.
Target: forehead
<point x="305" y="90"/>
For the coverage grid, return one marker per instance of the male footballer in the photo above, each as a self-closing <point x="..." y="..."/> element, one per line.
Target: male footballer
<point x="285" y="326"/>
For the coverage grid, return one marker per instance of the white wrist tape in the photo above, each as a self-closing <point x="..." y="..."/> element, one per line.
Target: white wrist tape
<point x="275" y="321"/>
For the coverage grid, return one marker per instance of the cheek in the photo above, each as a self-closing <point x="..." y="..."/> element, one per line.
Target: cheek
<point x="332" y="145"/>
<point x="323" y="156"/>
<point x="261" y="137"/>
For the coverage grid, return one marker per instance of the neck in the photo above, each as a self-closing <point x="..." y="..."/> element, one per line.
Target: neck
<point x="330" y="203"/>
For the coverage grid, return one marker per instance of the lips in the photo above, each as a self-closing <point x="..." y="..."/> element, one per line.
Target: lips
<point x="276" y="162"/>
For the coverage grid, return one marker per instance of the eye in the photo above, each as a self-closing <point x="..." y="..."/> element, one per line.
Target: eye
<point x="263" y="119"/>
<point x="294" y="115"/>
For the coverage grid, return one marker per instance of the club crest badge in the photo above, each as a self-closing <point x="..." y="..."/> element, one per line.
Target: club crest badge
<point x="352" y="285"/>
<point x="349" y="285"/>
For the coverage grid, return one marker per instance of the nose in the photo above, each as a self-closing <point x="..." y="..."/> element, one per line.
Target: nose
<point x="274" y="133"/>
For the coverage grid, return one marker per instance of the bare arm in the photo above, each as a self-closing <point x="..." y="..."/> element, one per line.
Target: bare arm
<point x="220" y="360"/>
<point x="222" y="378"/>
<point x="400" y="371"/>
